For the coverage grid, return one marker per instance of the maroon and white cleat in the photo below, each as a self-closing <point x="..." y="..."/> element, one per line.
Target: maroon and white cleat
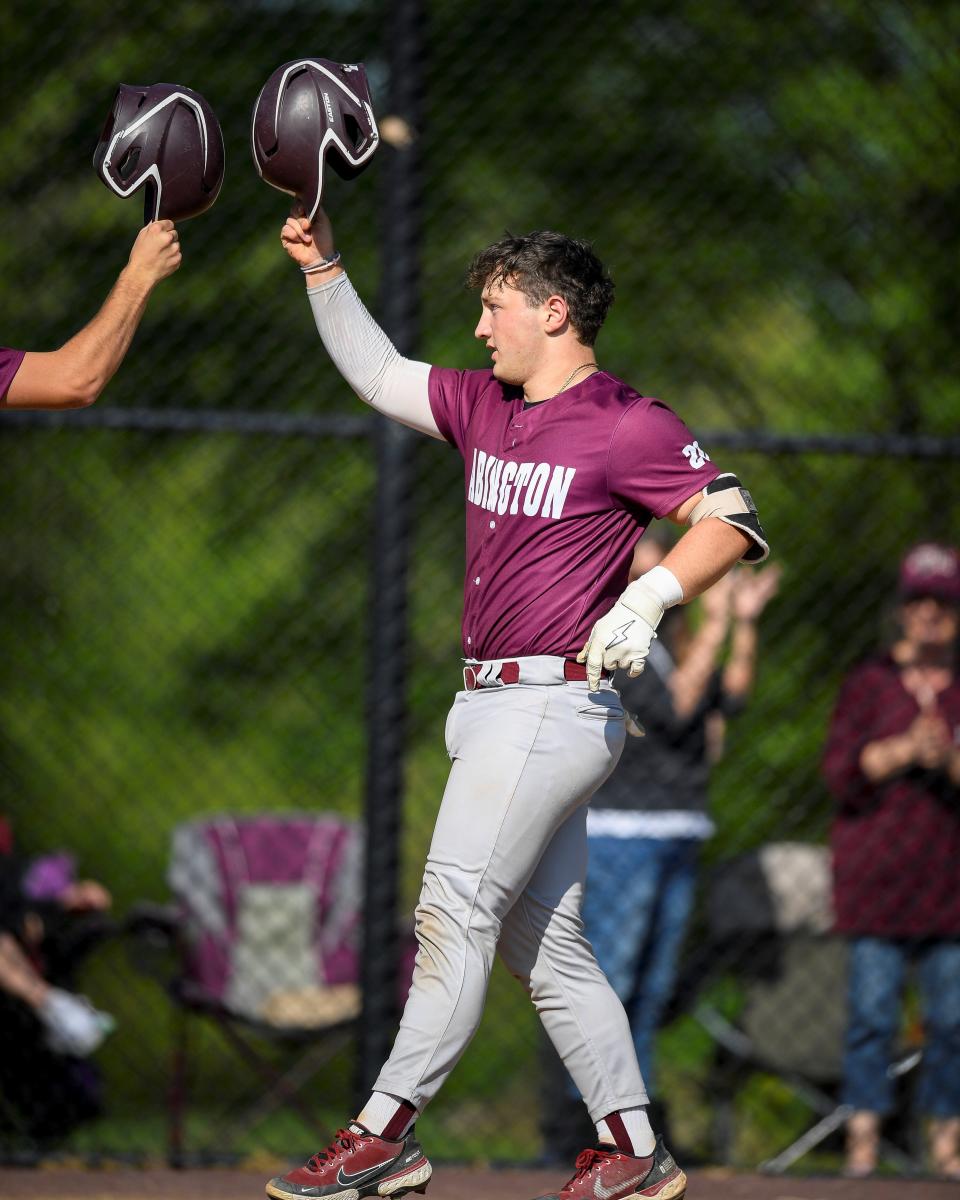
<point x="612" y="1175"/>
<point x="356" y="1164"/>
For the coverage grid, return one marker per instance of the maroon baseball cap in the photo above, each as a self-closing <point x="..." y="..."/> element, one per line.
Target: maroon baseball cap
<point x="930" y="569"/>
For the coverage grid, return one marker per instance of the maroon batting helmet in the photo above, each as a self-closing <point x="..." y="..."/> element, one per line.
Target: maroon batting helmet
<point x="165" y="137"/>
<point x="310" y="111"/>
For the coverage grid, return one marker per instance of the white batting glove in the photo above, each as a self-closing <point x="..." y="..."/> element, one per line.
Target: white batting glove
<point x="622" y="638"/>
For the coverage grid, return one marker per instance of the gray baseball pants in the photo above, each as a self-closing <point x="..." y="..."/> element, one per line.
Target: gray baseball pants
<point x="505" y="873"/>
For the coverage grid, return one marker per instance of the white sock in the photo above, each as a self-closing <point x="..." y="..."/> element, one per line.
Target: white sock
<point x="629" y="1130"/>
<point x="380" y="1110"/>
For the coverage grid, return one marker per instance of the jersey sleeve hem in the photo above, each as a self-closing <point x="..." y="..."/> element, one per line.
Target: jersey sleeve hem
<point x="683" y="494"/>
<point x="10" y="363"/>
<point x="437" y="407"/>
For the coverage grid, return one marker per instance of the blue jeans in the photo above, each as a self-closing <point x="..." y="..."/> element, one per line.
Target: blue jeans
<point x="878" y="968"/>
<point x="637" y="903"/>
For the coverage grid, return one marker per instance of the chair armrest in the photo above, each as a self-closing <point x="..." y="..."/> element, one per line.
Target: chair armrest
<point x="153" y="936"/>
<point x="152" y="921"/>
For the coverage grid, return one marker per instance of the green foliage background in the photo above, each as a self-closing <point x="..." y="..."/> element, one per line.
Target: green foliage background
<point x="774" y="189"/>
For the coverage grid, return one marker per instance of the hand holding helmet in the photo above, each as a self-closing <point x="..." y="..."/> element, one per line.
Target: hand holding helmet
<point x="156" y="252"/>
<point x="307" y="240"/>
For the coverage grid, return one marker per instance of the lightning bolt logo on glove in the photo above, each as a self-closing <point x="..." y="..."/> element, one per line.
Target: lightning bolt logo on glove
<point x="622" y="638"/>
<point x="620" y="635"/>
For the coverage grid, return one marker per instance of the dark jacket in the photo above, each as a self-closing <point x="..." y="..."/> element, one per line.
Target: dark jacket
<point x="896" y="845"/>
<point x="666" y="770"/>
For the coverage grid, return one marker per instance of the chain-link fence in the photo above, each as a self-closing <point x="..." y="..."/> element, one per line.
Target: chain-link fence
<point x="188" y="570"/>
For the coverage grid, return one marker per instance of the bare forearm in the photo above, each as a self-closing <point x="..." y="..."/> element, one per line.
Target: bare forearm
<point x="705" y="554"/>
<point x="76" y="374"/>
<point x="739" y="671"/>
<point x="689" y="681"/>
<point x="98" y="349"/>
<point x="18" y="976"/>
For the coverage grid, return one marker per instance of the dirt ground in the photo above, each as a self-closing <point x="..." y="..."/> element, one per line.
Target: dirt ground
<point x="448" y="1183"/>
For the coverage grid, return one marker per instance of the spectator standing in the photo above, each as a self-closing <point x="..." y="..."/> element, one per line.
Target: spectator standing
<point x="892" y="762"/>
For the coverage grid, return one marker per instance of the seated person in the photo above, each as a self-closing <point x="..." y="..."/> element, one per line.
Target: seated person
<point x="45" y="1029"/>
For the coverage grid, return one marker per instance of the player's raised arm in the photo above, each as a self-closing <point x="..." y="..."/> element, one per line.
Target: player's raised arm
<point x="76" y="374"/>
<point x="163" y="140"/>
<point x="309" y="111"/>
<point x="362" y="352"/>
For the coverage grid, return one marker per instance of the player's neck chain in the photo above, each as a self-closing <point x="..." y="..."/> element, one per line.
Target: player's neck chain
<point x="576" y="371"/>
<point x="566" y="383"/>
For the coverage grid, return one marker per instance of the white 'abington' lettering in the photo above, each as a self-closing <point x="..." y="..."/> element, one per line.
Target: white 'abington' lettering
<point x="498" y="486"/>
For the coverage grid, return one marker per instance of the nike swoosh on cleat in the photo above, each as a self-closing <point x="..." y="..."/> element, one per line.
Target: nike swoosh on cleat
<point x="604" y="1193"/>
<point x="352" y="1180"/>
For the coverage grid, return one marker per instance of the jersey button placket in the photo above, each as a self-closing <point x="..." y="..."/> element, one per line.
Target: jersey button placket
<point x="514" y="434"/>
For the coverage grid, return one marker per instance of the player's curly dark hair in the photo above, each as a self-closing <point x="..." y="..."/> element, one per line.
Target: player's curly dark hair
<point x="543" y="264"/>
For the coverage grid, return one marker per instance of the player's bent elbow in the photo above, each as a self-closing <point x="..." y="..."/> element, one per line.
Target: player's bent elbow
<point x="81" y="374"/>
<point x="80" y="385"/>
<point x="68" y="397"/>
<point x="82" y="396"/>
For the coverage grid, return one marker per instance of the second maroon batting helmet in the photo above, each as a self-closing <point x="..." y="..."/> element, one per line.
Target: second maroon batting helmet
<point x="167" y="139"/>
<point x="308" y="112"/>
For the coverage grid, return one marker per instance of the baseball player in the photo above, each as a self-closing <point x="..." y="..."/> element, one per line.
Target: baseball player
<point x="565" y="467"/>
<point x="76" y="374"/>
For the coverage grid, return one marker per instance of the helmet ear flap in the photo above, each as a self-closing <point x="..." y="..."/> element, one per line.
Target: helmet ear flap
<point x="355" y="135"/>
<point x="355" y="139"/>
<point x="128" y="163"/>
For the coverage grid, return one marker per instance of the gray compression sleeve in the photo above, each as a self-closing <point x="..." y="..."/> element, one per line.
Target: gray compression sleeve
<point x="368" y="360"/>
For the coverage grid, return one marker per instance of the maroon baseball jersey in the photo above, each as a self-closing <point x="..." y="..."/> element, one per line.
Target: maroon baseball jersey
<point x="10" y="361"/>
<point x="557" y="496"/>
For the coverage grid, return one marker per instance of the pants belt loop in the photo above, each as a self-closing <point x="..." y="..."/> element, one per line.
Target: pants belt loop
<point x="476" y="675"/>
